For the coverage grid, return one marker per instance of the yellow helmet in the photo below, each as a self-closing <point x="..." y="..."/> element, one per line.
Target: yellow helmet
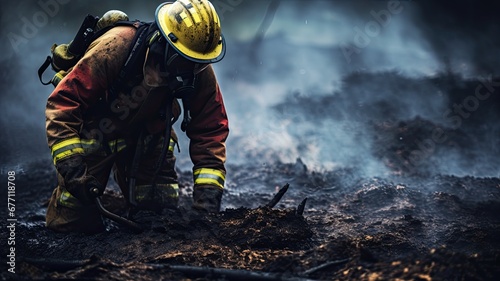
<point x="192" y="27"/>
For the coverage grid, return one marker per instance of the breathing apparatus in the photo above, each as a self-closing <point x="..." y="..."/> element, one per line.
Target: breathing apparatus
<point x="65" y="56"/>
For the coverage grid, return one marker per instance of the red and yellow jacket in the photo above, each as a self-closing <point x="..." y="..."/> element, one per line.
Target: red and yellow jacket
<point x="80" y="114"/>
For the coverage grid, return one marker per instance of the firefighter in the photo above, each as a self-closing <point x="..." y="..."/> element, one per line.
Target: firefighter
<point x="96" y="128"/>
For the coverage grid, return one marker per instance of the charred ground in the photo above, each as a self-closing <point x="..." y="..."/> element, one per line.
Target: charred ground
<point x="413" y="222"/>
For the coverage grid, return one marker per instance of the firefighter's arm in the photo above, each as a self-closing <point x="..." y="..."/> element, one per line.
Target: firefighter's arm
<point x="67" y="105"/>
<point x="208" y="131"/>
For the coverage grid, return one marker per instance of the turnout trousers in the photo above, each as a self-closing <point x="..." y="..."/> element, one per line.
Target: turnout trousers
<point x="66" y="214"/>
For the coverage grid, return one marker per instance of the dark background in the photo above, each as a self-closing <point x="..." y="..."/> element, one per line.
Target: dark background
<point x="285" y="60"/>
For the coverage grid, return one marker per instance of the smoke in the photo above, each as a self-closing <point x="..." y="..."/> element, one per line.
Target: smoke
<point x="321" y="74"/>
<point x="462" y="34"/>
<point x="327" y="70"/>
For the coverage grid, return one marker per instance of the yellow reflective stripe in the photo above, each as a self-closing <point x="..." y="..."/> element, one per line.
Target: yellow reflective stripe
<point x="69" y="200"/>
<point x="64" y="143"/>
<point x="68" y="153"/>
<point x="172" y="185"/>
<point x="171" y="145"/>
<point x="185" y="19"/>
<point x="194" y="14"/>
<point x="90" y="146"/>
<point x="209" y="176"/>
<point x="153" y="38"/>
<point x="143" y="191"/>
<point x="119" y="144"/>
<point x="89" y="142"/>
<point x="116" y="142"/>
<point x="121" y="147"/>
<point x="74" y="146"/>
<point x="66" y="148"/>
<point x="59" y="75"/>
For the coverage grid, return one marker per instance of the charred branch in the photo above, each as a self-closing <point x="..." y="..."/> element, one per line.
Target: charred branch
<point x="278" y="196"/>
<point x="189" y="271"/>
<point x="301" y="207"/>
<point x="323" y="266"/>
<point x="55" y="264"/>
<point x="228" y="274"/>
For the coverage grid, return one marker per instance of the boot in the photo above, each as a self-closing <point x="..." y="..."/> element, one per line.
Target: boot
<point x="84" y="219"/>
<point x="207" y="198"/>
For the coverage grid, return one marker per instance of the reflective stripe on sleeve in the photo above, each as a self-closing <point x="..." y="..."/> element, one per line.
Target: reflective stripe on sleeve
<point x="70" y="147"/>
<point x="209" y="176"/>
<point x="90" y="146"/>
<point x="66" y="148"/>
<point x="117" y="145"/>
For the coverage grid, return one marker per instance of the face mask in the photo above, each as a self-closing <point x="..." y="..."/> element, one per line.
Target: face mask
<point x="165" y="67"/>
<point x="181" y="72"/>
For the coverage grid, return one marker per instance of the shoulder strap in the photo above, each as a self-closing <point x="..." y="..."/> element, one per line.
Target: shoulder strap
<point x="137" y="51"/>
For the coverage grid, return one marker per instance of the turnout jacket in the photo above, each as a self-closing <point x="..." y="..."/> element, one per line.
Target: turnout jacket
<point x="81" y="116"/>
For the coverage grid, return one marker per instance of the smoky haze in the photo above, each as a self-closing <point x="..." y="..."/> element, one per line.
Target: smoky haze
<point x="304" y="82"/>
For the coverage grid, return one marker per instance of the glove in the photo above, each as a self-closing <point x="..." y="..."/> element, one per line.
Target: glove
<point x="77" y="181"/>
<point x="207" y="198"/>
